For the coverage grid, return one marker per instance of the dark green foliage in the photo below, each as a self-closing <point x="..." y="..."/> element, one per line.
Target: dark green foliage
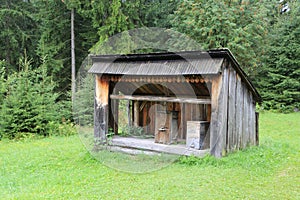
<point x="231" y="24"/>
<point x="18" y="32"/>
<point x="83" y="108"/>
<point x="279" y="78"/>
<point x="158" y="13"/>
<point x="2" y="84"/>
<point x="30" y="103"/>
<point x="53" y="45"/>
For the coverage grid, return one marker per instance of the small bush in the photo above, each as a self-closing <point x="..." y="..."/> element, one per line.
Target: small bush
<point x="207" y="160"/>
<point x="30" y="103"/>
<point x="61" y="129"/>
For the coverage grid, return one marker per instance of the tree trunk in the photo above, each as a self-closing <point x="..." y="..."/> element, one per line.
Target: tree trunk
<point x="73" y="69"/>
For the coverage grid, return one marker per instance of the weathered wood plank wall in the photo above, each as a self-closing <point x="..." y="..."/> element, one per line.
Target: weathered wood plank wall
<point x="233" y="124"/>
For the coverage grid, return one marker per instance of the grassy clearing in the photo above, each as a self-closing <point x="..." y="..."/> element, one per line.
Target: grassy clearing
<point x="61" y="168"/>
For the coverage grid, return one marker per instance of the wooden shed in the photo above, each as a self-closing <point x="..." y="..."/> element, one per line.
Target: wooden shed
<point x="189" y="102"/>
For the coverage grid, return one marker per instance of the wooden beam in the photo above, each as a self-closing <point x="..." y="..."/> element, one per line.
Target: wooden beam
<point x="101" y="110"/>
<point x="161" y="99"/>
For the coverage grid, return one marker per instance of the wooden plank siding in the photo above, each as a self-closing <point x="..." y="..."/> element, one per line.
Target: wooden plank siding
<point x="219" y="104"/>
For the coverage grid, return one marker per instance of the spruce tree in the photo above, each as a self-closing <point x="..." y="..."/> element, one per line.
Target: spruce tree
<point x="279" y="78"/>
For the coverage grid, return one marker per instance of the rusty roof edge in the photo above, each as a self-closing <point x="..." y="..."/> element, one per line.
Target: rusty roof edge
<point x="225" y="52"/>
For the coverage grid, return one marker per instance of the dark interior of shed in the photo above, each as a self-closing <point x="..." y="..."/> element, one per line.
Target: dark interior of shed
<point x="165" y="108"/>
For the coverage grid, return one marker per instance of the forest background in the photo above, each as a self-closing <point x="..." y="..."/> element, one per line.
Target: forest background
<point x="35" y="50"/>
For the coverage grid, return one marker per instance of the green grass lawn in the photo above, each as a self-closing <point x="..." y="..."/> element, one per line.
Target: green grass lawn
<point x="61" y="168"/>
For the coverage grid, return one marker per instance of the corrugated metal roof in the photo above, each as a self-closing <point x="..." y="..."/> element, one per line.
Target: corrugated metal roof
<point x="159" y="67"/>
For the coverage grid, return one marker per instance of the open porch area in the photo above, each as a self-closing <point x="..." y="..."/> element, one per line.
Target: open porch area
<point x="133" y="145"/>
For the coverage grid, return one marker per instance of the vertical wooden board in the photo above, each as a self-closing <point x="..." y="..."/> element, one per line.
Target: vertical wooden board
<point x="152" y="117"/>
<point x="116" y="116"/>
<point x="136" y="117"/>
<point x="218" y="128"/>
<point x="252" y="120"/>
<point x="187" y="117"/>
<point x="208" y="112"/>
<point x="231" y="111"/>
<point x="239" y="111"/>
<point x="198" y="112"/>
<point x="128" y="110"/>
<point x="250" y="117"/>
<point x="245" y="118"/>
<point x="177" y="107"/>
<point x="257" y="128"/>
<point x="202" y="114"/>
<point x="188" y="112"/>
<point x="242" y="132"/>
<point x="101" y="109"/>
<point x="192" y="112"/>
<point x="181" y="123"/>
<point x="111" y="108"/>
<point x="145" y="116"/>
<point x="214" y="123"/>
<point x="223" y="109"/>
<point x="234" y="133"/>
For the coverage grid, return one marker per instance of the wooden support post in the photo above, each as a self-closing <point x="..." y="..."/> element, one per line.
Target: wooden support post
<point x="129" y="113"/>
<point x="115" y="113"/>
<point x="101" y="110"/>
<point x="218" y="127"/>
<point x="208" y="113"/>
<point x="181" y="123"/>
<point x="257" y="127"/>
<point x="136" y="112"/>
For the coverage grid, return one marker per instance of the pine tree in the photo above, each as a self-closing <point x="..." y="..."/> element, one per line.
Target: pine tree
<point x="279" y="78"/>
<point x="54" y="44"/>
<point x="30" y="103"/>
<point x="18" y="32"/>
<point x="237" y="25"/>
